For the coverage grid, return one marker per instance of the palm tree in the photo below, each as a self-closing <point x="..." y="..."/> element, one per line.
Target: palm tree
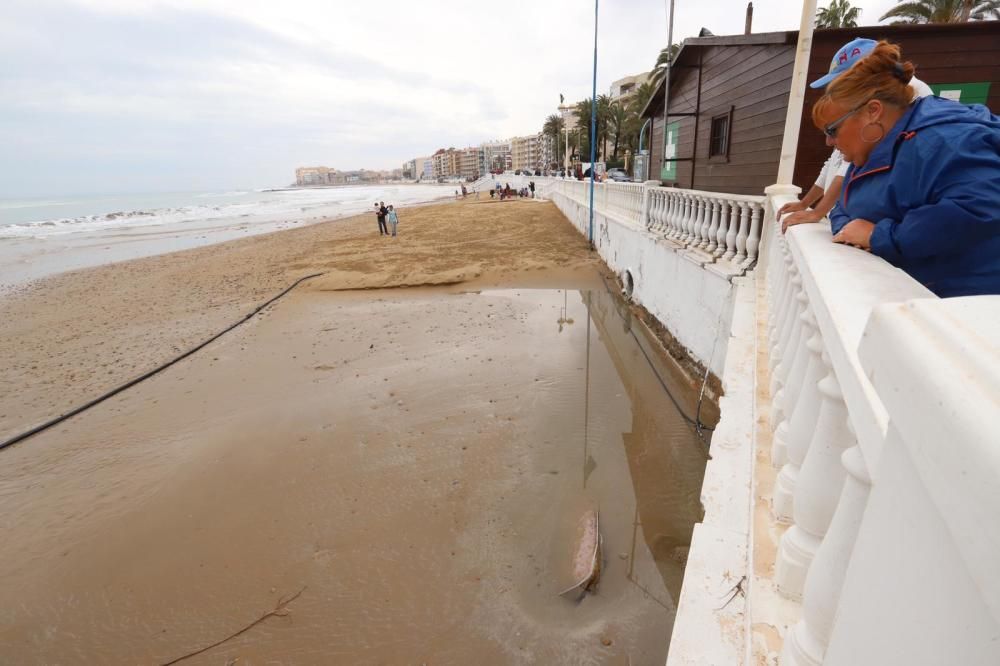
<point x="943" y="11"/>
<point x="553" y="128"/>
<point x="664" y="58"/>
<point x="642" y="96"/>
<point x="839" y="14"/>
<point x="618" y="117"/>
<point x="583" y="114"/>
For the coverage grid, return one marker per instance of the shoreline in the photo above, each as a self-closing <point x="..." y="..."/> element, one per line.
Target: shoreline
<point x="84" y="249"/>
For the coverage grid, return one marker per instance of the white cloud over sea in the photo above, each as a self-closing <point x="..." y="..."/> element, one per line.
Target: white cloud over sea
<point x="116" y="95"/>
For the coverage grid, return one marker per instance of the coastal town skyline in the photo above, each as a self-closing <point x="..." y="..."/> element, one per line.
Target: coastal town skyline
<point x="98" y="88"/>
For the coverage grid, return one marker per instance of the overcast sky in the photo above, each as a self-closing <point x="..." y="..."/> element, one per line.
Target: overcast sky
<point x="101" y="96"/>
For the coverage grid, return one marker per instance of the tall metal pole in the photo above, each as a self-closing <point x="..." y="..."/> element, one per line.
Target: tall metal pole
<point x="593" y="132"/>
<point x="666" y="91"/>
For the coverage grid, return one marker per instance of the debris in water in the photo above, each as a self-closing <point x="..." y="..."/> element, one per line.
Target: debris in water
<point x="587" y="557"/>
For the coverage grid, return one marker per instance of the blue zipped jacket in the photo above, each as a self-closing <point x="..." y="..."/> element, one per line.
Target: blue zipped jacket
<point x="932" y="188"/>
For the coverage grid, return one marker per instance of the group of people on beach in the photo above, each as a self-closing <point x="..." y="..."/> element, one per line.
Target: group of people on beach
<point x="385" y="216"/>
<point x="913" y="178"/>
<point x="506" y="192"/>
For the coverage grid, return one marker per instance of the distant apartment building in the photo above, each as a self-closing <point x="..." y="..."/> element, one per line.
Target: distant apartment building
<point x="470" y="163"/>
<point x="409" y="170"/>
<point x="568" y="114"/>
<point x="423" y="167"/>
<point x="319" y="175"/>
<point x="497" y="155"/>
<point x="446" y="163"/>
<point x="624" y="89"/>
<point x="528" y="152"/>
<point x="548" y="150"/>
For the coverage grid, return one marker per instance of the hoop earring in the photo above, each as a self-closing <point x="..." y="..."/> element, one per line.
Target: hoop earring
<point x="881" y="133"/>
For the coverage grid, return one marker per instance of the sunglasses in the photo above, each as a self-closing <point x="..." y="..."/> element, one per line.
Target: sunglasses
<point x="831" y="129"/>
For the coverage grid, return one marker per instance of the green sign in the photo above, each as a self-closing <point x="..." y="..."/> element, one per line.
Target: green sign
<point x="966" y="93"/>
<point x="669" y="169"/>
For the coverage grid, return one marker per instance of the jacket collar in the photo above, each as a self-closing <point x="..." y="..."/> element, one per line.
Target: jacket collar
<point x="884" y="153"/>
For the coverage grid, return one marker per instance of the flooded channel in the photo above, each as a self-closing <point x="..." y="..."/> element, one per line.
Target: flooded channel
<point x="415" y="464"/>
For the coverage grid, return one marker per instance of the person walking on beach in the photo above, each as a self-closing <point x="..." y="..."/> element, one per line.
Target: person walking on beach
<point x="380" y="212"/>
<point x="392" y="219"/>
<point x="381" y="220"/>
<point x="531" y="186"/>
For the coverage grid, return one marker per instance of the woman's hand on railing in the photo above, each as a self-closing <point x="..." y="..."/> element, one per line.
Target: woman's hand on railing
<point x="802" y="217"/>
<point x="857" y="233"/>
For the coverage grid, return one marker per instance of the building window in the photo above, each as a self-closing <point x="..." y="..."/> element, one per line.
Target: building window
<point x="718" y="145"/>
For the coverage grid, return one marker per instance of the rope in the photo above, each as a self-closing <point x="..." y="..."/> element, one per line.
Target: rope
<point x="115" y="391"/>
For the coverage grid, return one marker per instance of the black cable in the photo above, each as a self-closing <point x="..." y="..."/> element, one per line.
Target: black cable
<point x="115" y="391"/>
<point x="696" y="422"/>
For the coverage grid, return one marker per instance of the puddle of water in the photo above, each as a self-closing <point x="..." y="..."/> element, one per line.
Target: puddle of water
<point x="418" y="463"/>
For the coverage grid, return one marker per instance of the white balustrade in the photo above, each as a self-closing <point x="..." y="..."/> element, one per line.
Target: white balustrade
<point x="830" y="434"/>
<point x="721" y="228"/>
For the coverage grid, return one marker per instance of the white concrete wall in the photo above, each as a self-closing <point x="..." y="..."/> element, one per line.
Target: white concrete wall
<point x="693" y="303"/>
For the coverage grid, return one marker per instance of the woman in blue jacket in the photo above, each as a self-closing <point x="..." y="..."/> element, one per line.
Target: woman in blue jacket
<point x="923" y="190"/>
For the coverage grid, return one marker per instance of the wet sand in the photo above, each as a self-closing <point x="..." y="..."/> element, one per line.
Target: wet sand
<point x="414" y="460"/>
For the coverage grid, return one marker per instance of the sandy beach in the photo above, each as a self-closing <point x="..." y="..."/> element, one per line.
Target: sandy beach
<point x="407" y="440"/>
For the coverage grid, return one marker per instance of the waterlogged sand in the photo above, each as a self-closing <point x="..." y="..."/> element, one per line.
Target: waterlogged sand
<point x="414" y="461"/>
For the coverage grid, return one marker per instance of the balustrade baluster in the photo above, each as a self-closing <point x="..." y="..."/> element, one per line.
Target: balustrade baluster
<point x="790" y="343"/>
<point x="684" y="207"/>
<point x="734" y="224"/>
<point x="741" y="236"/>
<point x="713" y="227"/>
<point x="678" y="215"/>
<point x="672" y="214"/>
<point x="653" y="216"/>
<point x="819" y="486"/>
<point x="699" y="208"/>
<point x="704" y="235"/>
<point x="802" y="409"/>
<point x="806" y="643"/>
<point x="783" y="299"/>
<point x="691" y="221"/>
<point x="720" y="234"/>
<point x="753" y="239"/>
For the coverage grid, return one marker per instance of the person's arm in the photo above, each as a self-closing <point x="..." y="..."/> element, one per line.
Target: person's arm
<point x="838" y="218"/>
<point x="819" y="211"/>
<point x="814" y="194"/>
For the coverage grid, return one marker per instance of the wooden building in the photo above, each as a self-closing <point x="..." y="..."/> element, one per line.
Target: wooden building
<point x="729" y="95"/>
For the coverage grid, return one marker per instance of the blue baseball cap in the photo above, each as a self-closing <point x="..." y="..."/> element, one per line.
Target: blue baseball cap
<point x="844" y="59"/>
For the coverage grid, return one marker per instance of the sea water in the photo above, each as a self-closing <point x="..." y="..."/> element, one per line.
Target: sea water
<point x="43" y="236"/>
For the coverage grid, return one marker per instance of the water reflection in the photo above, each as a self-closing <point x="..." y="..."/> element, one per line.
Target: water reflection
<point x="664" y="455"/>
